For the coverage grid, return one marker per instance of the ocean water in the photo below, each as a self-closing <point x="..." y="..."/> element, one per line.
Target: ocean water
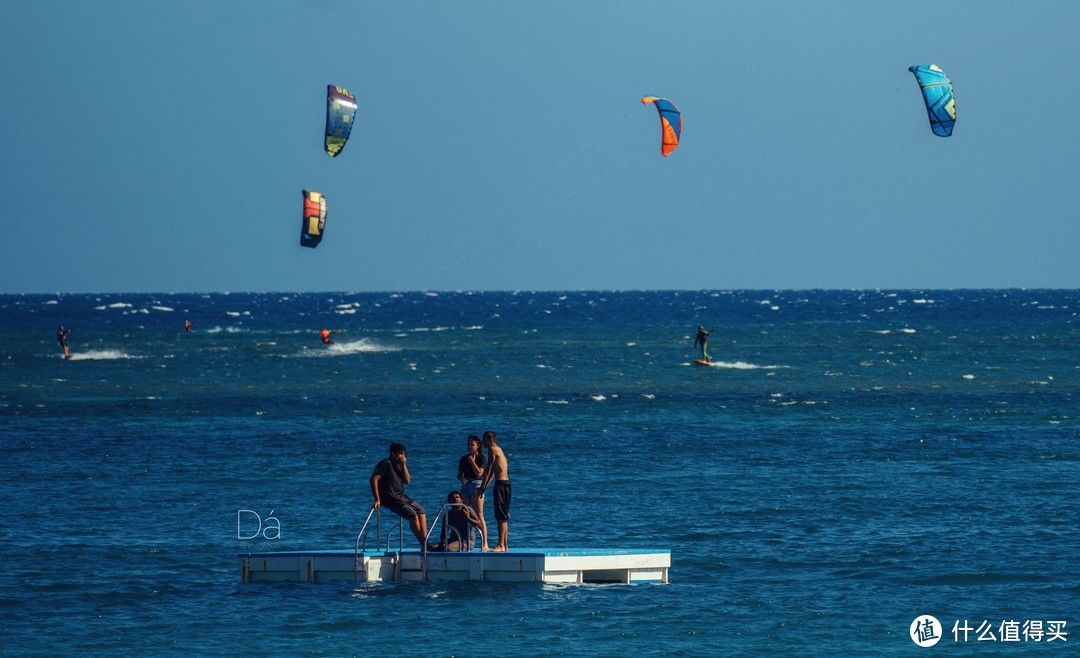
<point x="852" y="461"/>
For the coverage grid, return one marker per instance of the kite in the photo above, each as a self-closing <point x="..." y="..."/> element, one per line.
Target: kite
<point x="937" y="91"/>
<point x="340" y="112"/>
<point x="314" y="223"/>
<point x="670" y="123"/>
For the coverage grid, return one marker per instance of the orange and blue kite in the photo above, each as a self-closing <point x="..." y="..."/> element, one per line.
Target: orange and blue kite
<point x="670" y="123"/>
<point x="313" y="225"/>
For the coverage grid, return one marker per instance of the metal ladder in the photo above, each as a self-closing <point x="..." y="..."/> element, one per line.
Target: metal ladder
<point x="362" y="537"/>
<point x="361" y="540"/>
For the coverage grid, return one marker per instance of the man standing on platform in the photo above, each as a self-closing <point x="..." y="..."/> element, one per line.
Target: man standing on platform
<point x="498" y="471"/>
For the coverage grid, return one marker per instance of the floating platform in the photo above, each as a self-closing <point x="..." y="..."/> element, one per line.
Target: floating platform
<point x="534" y="565"/>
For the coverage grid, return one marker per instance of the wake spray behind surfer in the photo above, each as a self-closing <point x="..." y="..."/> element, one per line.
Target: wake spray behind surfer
<point x="702" y="340"/>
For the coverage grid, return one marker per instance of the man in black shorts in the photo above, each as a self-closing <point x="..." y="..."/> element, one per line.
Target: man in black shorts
<point x="388" y="487"/>
<point x="499" y="471"/>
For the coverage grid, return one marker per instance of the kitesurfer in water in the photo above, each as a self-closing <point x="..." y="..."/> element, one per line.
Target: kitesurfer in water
<point x="325" y="336"/>
<point x="702" y="340"/>
<point x="61" y="340"/>
<point x="187" y="326"/>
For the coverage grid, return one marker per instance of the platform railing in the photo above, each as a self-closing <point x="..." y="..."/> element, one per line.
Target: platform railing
<point x="361" y="537"/>
<point x="363" y="530"/>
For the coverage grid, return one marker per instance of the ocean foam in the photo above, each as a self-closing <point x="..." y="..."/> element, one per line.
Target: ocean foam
<point x="101" y="355"/>
<point x="741" y="365"/>
<point x="361" y="346"/>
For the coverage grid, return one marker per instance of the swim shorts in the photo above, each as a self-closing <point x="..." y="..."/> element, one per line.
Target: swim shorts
<point x="469" y="489"/>
<point x="407" y="509"/>
<point x="502" y="500"/>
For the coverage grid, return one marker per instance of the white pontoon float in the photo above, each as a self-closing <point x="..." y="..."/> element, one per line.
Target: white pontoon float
<point x="381" y="564"/>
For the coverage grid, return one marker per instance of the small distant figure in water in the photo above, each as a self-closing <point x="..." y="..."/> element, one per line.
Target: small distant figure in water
<point x="187" y="326"/>
<point x="61" y="341"/>
<point x="325" y="336"/>
<point x="702" y="340"/>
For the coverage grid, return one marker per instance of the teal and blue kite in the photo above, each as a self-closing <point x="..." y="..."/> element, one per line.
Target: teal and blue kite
<point x="937" y="91"/>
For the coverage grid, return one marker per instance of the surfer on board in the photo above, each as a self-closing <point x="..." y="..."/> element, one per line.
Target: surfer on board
<point x="61" y="340"/>
<point x="325" y="336"/>
<point x="702" y="340"/>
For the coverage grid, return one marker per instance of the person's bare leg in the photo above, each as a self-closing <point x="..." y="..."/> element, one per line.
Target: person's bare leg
<point x="418" y="525"/>
<point x="478" y="507"/>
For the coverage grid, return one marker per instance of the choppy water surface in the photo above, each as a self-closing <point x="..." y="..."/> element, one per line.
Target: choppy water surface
<point x="853" y="460"/>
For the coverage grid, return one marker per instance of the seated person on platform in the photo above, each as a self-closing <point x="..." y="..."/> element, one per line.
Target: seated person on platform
<point x="388" y="488"/>
<point x="460" y="519"/>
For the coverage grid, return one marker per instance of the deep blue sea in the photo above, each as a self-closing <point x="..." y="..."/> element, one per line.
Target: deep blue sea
<point x="852" y="461"/>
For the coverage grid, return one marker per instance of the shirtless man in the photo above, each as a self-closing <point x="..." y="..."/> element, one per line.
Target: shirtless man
<point x="498" y="471"/>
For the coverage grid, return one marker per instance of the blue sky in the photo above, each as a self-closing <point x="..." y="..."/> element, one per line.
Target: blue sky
<point x="152" y="146"/>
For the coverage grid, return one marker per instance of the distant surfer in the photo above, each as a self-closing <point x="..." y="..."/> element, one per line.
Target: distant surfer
<point x="702" y="340"/>
<point x="325" y="335"/>
<point x="187" y="326"/>
<point x="61" y="341"/>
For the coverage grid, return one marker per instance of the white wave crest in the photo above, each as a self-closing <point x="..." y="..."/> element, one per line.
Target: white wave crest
<point x="361" y="346"/>
<point x="101" y="355"/>
<point x="741" y="365"/>
<point x="217" y="329"/>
